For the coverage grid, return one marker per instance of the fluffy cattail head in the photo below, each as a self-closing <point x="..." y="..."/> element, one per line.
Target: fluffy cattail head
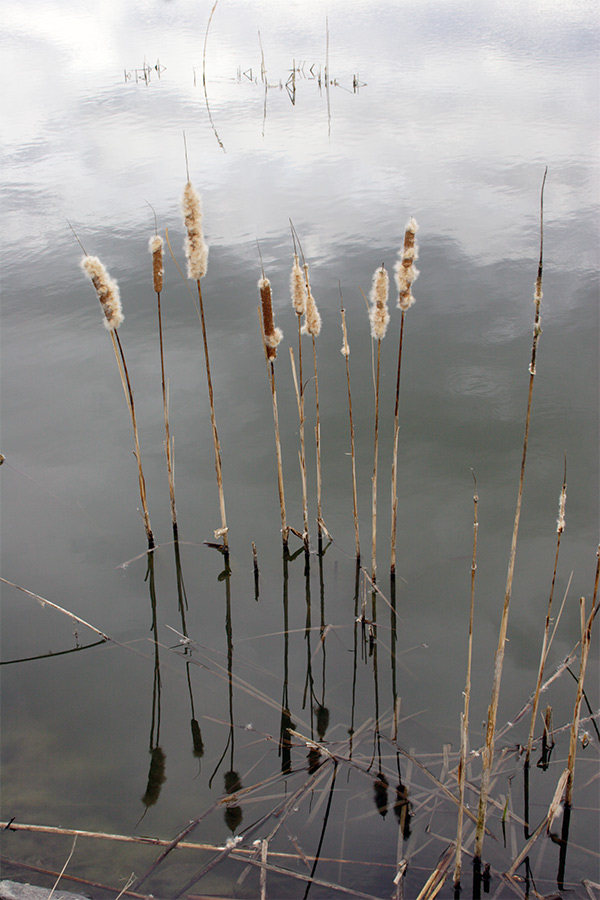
<point x="196" y="250"/>
<point x="107" y="291"/>
<point x="560" y="523"/>
<point x="312" y="323"/>
<point x="155" y="245"/>
<point x="298" y="287"/>
<point x="345" y="345"/>
<point x="406" y="273"/>
<point x="272" y="335"/>
<point x="378" y="313"/>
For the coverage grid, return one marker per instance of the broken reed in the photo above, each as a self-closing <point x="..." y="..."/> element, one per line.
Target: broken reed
<point x="196" y="253"/>
<point x="488" y="751"/>
<point x="107" y="291"/>
<point x="156" y="247"/>
<point x="271" y="338"/>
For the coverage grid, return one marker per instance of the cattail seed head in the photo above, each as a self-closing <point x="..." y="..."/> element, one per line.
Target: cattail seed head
<point x="107" y="291"/>
<point x="196" y="250"/>
<point x="298" y="288"/>
<point x="155" y="245"/>
<point x="406" y="273"/>
<point x="345" y="345"/>
<point x="273" y="335"/>
<point x="312" y="323"/>
<point x="378" y="297"/>
<point x="560" y="523"/>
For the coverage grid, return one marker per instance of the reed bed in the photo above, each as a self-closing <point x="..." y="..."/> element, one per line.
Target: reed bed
<point x="282" y="817"/>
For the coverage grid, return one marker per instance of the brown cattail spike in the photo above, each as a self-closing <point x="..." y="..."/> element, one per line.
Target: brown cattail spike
<point x="406" y="273"/>
<point x="155" y="245"/>
<point x="273" y="335"/>
<point x="196" y="250"/>
<point x="107" y="291"/>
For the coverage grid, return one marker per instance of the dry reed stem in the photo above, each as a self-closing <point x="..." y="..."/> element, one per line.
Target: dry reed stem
<point x="156" y="246"/>
<point x="544" y="652"/>
<point x="488" y="751"/>
<point x="299" y="389"/>
<point x="374" y="477"/>
<point x="586" y="638"/>
<point x="546" y="823"/>
<point x="464" y="733"/>
<point x="346" y="353"/>
<point x="271" y="377"/>
<point x="123" y="372"/>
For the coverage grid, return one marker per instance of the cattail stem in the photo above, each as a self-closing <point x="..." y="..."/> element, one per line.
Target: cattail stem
<point x="156" y="248"/>
<point x="222" y="531"/>
<point x="374" y="480"/>
<point x="298" y="387"/>
<point x="123" y="372"/>
<point x="346" y="354"/>
<point x="318" y="449"/>
<point x="464" y="733"/>
<point x="395" y="453"/>
<point x="488" y="752"/>
<point x="270" y="353"/>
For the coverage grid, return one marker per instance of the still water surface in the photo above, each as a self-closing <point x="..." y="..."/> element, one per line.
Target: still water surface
<point x="448" y="112"/>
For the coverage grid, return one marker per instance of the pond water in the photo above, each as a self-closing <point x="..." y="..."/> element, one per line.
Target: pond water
<point x="346" y="119"/>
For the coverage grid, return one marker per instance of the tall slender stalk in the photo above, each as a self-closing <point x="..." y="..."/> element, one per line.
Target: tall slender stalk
<point x="406" y="274"/>
<point x="560" y="527"/>
<point x="488" y="752"/>
<point x="107" y="292"/>
<point x="346" y="353"/>
<point x="379" y="317"/>
<point x="271" y="338"/>
<point x="156" y="245"/>
<point x="464" y="731"/>
<point x="298" y="291"/>
<point x="196" y="252"/>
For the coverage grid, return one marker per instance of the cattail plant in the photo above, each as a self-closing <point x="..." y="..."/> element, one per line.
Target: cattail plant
<point x="298" y="292"/>
<point x="196" y="253"/>
<point x="379" y="317"/>
<point x="312" y="326"/>
<point x="346" y="354"/>
<point x="488" y="751"/>
<point x="156" y="247"/>
<point x="405" y="275"/>
<point x="272" y="336"/>
<point x="107" y="291"/>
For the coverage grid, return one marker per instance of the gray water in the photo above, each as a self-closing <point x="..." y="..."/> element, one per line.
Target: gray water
<point x="448" y="112"/>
